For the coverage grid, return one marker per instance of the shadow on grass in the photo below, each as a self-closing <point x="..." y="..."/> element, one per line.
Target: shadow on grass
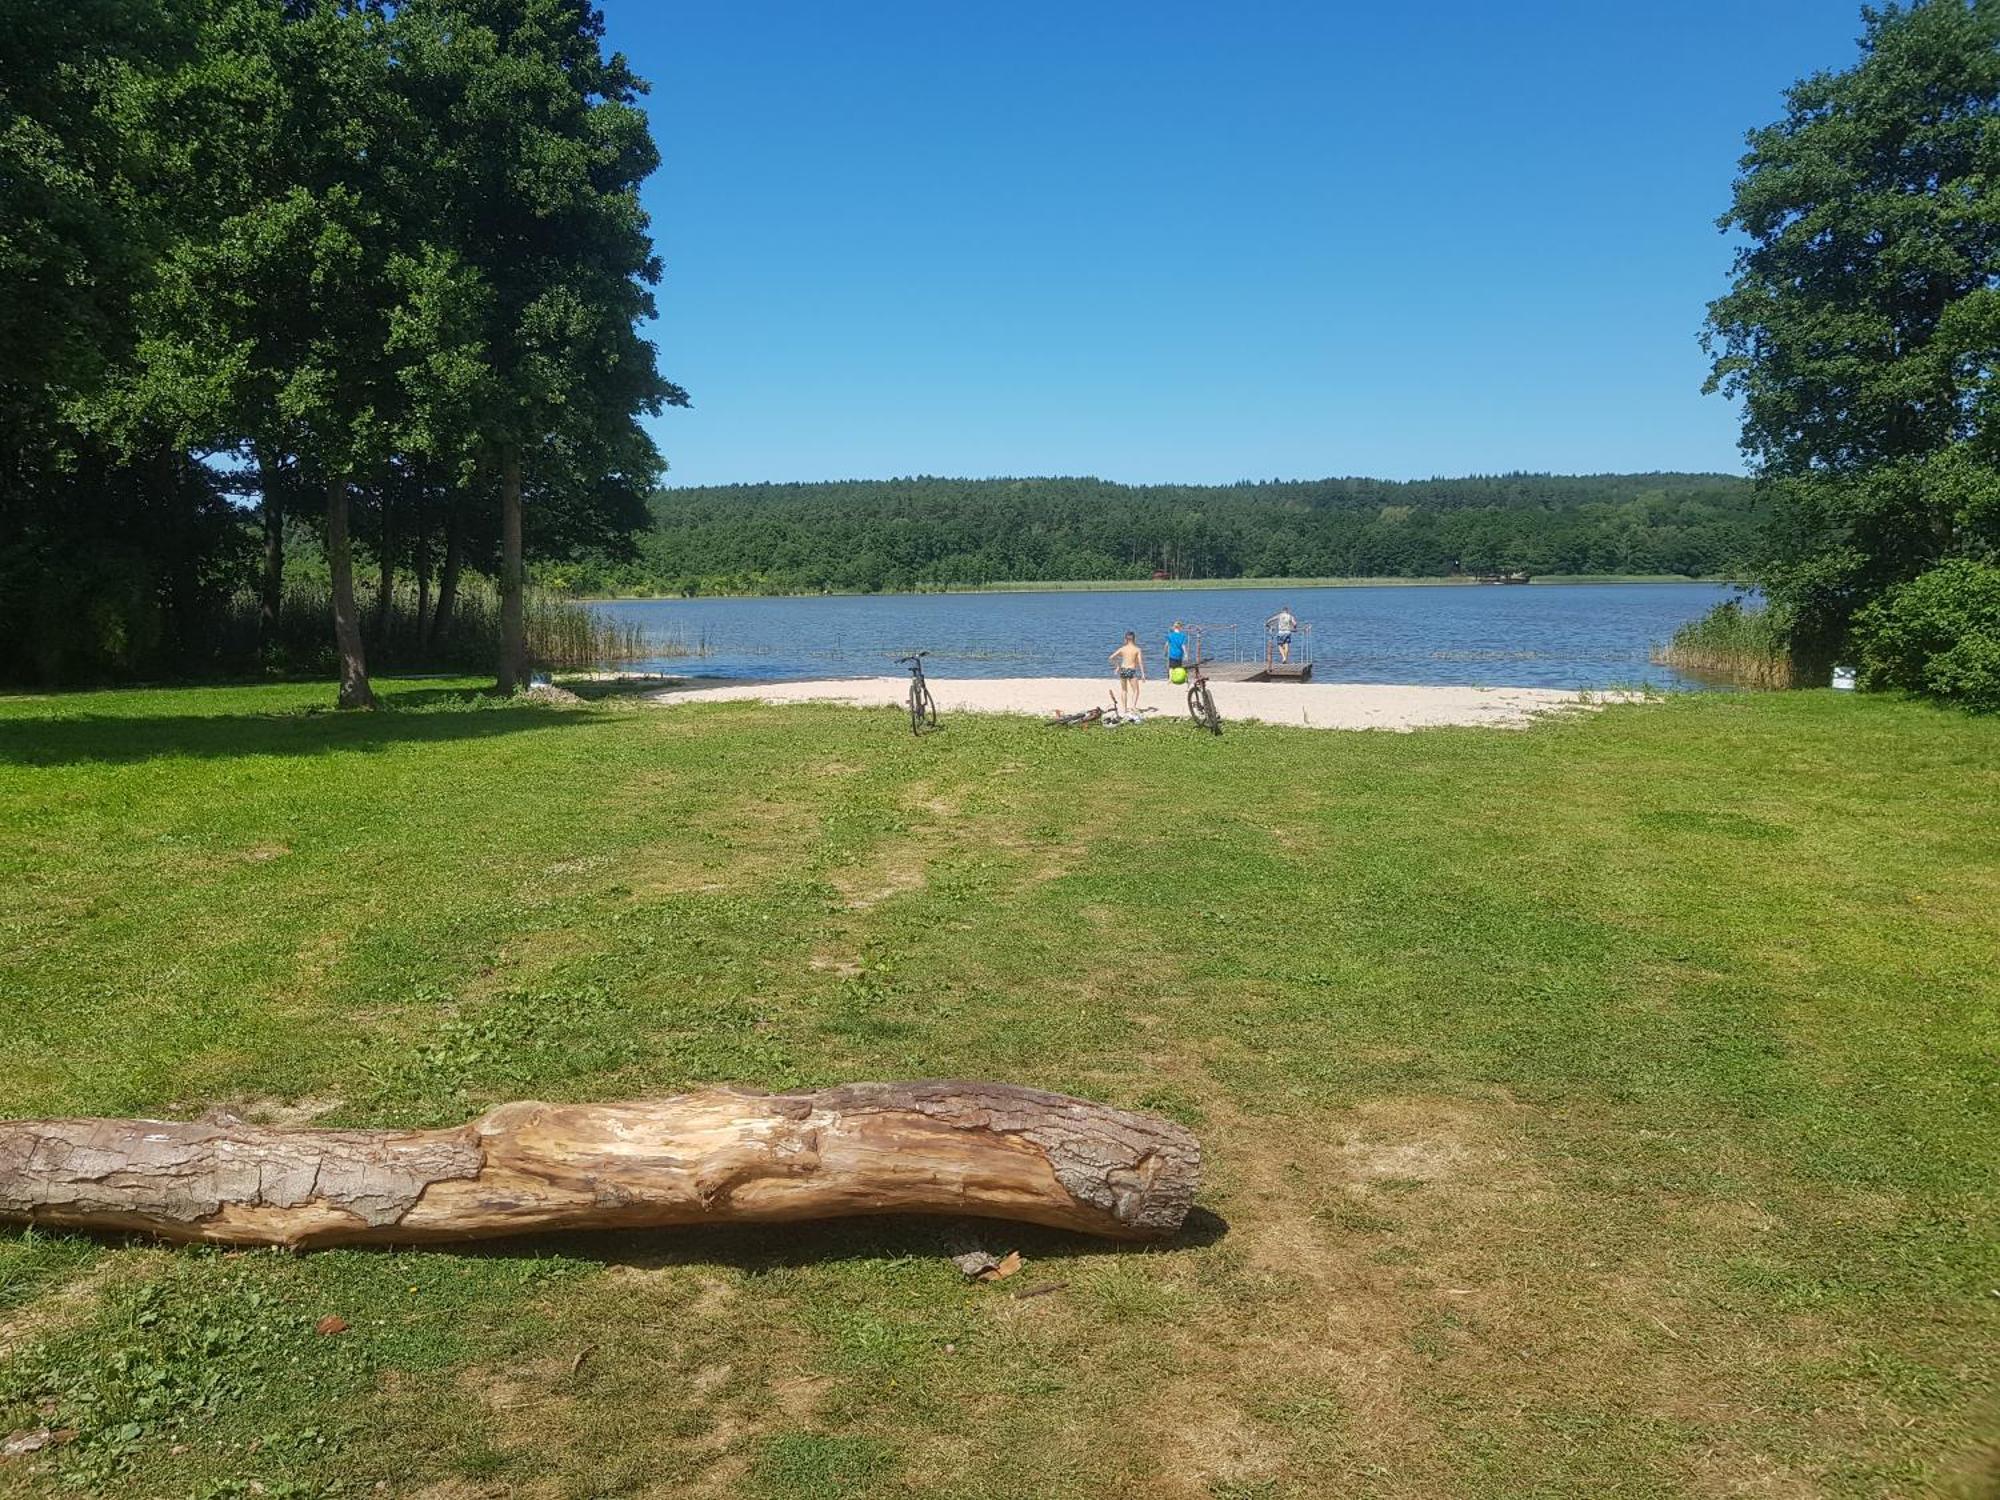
<point x="771" y="1247"/>
<point x="597" y="690"/>
<point x="413" y="718"/>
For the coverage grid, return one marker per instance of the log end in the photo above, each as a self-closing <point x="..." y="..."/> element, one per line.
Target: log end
<point x="1128" y="1174"/>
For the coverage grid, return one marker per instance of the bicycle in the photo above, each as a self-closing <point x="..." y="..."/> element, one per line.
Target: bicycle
<point x="923" y="707"/>
<point x="1078" y="720"/>
<point x="1201" y="702"/>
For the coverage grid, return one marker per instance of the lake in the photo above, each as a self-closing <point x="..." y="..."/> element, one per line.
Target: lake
<point x="1491" y="635"/>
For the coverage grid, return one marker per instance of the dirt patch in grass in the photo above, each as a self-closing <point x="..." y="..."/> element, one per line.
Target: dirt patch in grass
<point x="939" y="806"/>
<point x="682" y="1379"/>
<point x="1216" y="1446"/>
<point x="896" y="872"/>
<point x="1407" y="1272"/>
<point x="1308" y="1221"/>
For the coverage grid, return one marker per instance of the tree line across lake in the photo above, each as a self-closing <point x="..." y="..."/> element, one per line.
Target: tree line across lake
<point x="925" y="533"/>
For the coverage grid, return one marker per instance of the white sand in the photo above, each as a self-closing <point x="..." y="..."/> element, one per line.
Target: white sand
<point x="1313" y="705"/>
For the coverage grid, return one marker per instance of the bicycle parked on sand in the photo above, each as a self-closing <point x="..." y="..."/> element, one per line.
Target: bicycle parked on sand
<point x="923" y="707"/>
<point x="1201" y="702"/>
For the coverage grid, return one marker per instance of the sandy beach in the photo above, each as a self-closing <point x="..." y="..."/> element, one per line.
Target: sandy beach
<point x="1316" y="705"/>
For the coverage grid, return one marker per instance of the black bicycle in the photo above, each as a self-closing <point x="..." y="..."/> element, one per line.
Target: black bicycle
<point x="1201" y="702"/>
<point x="923" y="707"/>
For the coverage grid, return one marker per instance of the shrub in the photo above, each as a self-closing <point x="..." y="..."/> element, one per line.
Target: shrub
<point x="1938" y="635"/>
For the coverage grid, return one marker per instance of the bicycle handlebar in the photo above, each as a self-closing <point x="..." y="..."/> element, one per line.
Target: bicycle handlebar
<point x="901" y="660"/>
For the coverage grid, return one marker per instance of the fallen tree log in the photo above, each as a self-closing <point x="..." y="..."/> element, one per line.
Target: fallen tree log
<point x="716" y="1157"/>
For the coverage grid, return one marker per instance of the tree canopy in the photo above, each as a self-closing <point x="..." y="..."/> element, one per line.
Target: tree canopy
<point x="378" y="260"/>
<point x="1862" y="331"/>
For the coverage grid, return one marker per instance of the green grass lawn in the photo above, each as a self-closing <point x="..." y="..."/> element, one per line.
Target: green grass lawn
<point x="1608" y="1109"/>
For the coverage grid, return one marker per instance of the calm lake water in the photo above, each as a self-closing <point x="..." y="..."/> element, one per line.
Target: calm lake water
<point x="1540" y="635"/>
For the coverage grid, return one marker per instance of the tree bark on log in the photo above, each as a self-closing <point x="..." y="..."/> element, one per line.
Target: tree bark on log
<point x="716" y="1157"/>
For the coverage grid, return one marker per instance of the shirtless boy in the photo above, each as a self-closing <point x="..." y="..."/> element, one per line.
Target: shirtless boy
<point x="1129" y="663"/>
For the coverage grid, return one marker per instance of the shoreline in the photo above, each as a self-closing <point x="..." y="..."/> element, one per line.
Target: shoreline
<point x="1167" y="585"/>
<point x="1309" y="705"/>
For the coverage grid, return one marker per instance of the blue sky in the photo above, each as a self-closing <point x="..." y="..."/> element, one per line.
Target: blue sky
<point x="1167" y="241"/>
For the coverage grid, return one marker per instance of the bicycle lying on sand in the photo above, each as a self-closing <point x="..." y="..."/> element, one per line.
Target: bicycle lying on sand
<point x="1201" y="702"/>
<point x="923" y="707"/>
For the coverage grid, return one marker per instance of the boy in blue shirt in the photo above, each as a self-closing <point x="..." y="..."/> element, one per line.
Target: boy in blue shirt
<point x="1177" y="653"/>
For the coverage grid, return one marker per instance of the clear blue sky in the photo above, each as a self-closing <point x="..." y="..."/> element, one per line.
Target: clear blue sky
<point x="1167" y="241"/>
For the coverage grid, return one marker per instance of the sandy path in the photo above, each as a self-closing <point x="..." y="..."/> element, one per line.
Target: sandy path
<point x="1315" y="705"/>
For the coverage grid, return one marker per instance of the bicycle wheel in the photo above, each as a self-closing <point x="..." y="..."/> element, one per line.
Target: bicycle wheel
<point x="923" y="708"/>
<point x="1209" y="719"/>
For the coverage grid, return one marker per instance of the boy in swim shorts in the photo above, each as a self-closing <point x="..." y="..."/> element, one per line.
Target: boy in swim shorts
<point x="1129" y="666"/>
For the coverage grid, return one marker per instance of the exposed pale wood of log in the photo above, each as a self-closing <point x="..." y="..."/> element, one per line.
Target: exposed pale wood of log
<point x="720" y="1156"/>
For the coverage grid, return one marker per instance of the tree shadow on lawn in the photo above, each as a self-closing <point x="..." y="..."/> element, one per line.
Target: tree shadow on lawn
<point x="412" y="718"/>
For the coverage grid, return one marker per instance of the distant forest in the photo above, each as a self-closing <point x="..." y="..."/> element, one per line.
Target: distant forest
<point x="923" y="533"/>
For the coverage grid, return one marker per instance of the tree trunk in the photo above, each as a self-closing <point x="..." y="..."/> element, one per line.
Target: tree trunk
<point x="385" y="587"/>
<point x="454" y="561"/>
<point x="513" y="637"/>
<point x="716" y="1157"/>
<point x="354" y="689"/>
<point x="420" y="564"/>
<point x="271" y="589"/>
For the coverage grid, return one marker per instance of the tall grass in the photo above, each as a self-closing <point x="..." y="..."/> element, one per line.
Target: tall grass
<point x="1748" y="647"/>
<point x="561" y="634"/>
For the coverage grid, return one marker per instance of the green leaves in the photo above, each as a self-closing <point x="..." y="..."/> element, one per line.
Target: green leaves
<point x="1862" y="334"/>
<point x="364" y="246"/>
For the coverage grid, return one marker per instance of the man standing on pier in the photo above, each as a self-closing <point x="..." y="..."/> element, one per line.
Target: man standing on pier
<point x="1282" y="625"/>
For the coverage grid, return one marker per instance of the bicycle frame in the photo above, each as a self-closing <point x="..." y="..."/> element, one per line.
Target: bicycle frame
<point x="923" y="707"/>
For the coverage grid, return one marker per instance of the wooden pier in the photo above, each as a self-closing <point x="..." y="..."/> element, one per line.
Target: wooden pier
<point x="1219" y="650"/>
<point x="1257" y="671"/>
